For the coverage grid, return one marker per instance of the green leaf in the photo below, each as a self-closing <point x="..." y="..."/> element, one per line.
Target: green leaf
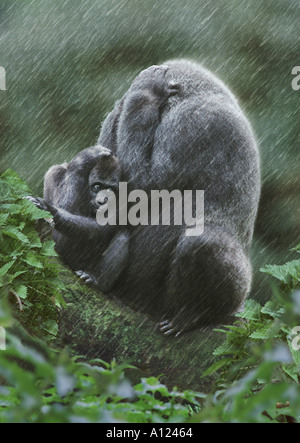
<point x="297" y="248"/>
<point x="14" y="182"/>
<point x="16" y="234"/>
<point x="32" y="260"/>
<point x="251" y="311"/>
<point x="226" y="349"/>
<point x="11" y="278"/>
<point x="295" y="354"/>
<point x="5" y="191"/>
<point x="217" y="366"/>
<point x="22" y="291"/>
<point x="34" y="213"/>
<point x="3" y="219"/>
<point x="48" y="249"/>
<point x="12" y="208"/>
<point x="34" y="240"/>
<point x="292" y="372"/>
<point x="4" y="270"/>
<point x="264" y="331"/>
<point x="285" y="272"/>
<point x="273" y="309"/>
<point x="51" y="326"/>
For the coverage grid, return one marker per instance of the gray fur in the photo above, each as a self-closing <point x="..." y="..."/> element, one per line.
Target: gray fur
<point x="97" y="253"/>
<point x="179" y="127"/>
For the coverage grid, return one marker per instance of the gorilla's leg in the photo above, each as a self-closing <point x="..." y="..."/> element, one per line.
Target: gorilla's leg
<point x="209" y="279"/>
<point x="110" y="268"/>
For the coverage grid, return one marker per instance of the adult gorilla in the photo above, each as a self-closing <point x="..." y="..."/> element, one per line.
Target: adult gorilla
<point x="179" y="127"/>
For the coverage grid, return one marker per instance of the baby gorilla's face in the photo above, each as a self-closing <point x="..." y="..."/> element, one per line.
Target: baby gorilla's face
<point x="103" y="181"/>
<point x="100" y="195"/>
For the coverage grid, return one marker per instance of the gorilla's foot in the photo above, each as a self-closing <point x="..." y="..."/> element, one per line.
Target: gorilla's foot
<point x="166" y="327"/>
<point x="86" y="278"/>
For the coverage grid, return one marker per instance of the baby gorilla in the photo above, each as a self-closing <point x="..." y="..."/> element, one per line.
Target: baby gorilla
<point x="73" y="195"/>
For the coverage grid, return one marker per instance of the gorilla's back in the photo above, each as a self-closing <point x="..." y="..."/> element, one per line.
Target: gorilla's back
<point x="205" y="137"/>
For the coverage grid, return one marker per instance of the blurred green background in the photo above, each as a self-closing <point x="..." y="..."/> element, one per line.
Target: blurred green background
<point x="68" y="61"/>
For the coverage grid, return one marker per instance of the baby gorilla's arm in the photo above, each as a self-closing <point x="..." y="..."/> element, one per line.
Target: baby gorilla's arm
<point x="113" y="261"/>
<point x="73" y="225"/>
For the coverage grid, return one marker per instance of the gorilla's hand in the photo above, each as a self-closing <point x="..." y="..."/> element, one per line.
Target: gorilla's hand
<point x="143" y="106"/>
<point x="86" y="160"/>
<point x="39" y="203"/>
<point x="153" y="80"/>
<point x="103" y="152"/>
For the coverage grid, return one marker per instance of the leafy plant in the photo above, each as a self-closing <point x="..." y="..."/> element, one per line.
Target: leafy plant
<point x="256" y="371"/>
<point x="39" y="384"/>
<point x="28" y="276"/>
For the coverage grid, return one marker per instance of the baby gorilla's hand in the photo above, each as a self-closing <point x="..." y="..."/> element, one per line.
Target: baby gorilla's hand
<point x="39" y="203"/>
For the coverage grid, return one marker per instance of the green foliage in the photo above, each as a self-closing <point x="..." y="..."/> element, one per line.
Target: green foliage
<point x="28" y="276"/>
<point x="44" y="386"/>
<point x="288" y="274"/>
<point x="39" y="384"/>
<point x="256" y="371"/>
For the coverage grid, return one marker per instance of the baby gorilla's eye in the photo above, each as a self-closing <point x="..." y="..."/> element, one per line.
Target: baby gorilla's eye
<point x="97" y="187"/>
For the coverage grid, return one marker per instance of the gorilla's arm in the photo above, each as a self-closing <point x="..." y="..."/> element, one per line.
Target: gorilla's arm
<point x="141" y="115"/>
<point x="138" y="122"/>
<point x="108" y="135"/>
<point x="74" y="225"/>
<point x="102" y="270"/>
